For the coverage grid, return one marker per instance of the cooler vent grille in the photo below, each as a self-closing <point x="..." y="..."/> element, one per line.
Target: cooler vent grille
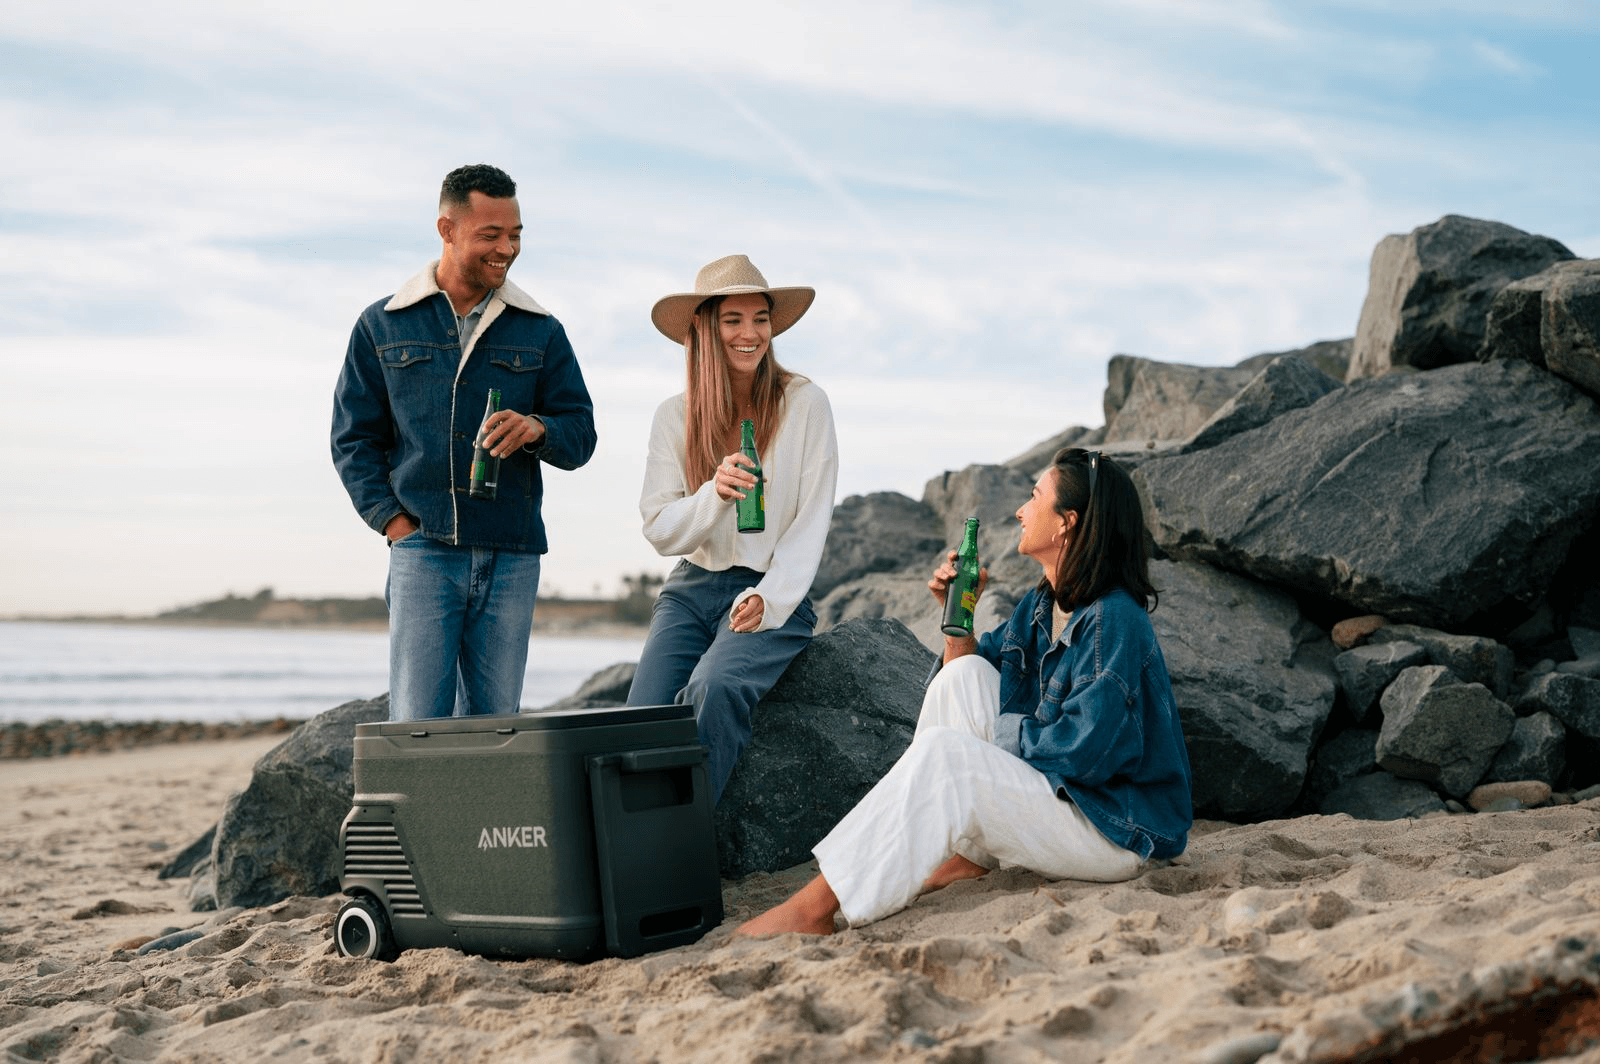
<point x="372" y="849"/>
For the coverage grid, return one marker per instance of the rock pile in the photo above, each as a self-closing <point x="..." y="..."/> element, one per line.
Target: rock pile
<point x="57" y="738"/>
<point x="1377" y="557"/>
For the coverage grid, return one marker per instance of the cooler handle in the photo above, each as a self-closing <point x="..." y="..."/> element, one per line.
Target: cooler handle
<point x="651" y="760"/>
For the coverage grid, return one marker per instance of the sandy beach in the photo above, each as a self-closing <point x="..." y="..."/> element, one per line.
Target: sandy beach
<point x="1314" y="939"/>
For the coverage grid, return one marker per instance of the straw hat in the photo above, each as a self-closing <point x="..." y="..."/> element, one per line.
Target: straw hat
<point x="731" y="276"/>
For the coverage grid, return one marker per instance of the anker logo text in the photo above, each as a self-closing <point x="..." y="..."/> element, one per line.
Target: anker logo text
<point x="527" y="837"/>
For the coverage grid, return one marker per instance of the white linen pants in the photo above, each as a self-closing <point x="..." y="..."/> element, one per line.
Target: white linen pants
<point x="954" y="791"/>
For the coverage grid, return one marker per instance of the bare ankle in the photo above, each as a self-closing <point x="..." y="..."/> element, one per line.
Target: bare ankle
<point x="809" y="911"/>
<point x="954" y="869"/>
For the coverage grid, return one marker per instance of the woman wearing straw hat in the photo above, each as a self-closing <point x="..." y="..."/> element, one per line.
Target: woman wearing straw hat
<point x="733" y="613"/>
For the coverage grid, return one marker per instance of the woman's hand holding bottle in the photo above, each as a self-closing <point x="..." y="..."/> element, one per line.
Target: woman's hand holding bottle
<point x="732" y="479"/>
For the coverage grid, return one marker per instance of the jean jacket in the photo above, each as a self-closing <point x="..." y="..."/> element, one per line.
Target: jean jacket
<point x="1094" y="712"/>
<point x="409" y="402"/>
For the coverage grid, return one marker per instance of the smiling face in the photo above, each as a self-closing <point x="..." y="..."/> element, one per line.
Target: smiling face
<point x="481" y="241"/>
<point x="1044" y="532"/>
<point x="745" y="324"/>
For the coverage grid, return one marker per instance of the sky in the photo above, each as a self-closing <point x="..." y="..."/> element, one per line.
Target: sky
<point x="991" y="199"/>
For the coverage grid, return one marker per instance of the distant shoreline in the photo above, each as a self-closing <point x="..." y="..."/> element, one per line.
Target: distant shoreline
<point x="626" y="618"/>
<point x="560" y="627"/>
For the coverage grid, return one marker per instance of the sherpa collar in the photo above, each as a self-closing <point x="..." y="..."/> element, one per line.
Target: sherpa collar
<point x="425" y="284"/>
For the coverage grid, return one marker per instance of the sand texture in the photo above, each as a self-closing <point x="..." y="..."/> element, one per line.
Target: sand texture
<point x="1315" y="939"/>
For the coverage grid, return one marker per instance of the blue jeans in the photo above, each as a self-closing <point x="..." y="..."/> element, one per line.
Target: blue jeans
<point x="692" y="657"/>
<point x="459" y="619"/>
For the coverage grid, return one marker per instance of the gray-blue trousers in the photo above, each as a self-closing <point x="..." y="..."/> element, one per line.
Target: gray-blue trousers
<point x="693" y="657"/>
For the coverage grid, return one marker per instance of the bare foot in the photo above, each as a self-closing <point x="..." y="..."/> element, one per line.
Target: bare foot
<point x="809" y="912"/>
<point x="957" y="867"/>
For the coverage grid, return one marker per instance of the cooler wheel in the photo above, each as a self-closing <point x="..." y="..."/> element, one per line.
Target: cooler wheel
<point x="361" y="930"/>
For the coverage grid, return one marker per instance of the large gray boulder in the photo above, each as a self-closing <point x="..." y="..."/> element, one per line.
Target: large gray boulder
<point x="824" y="735"/>
<point x="1439" y="730"/>
<point x="1032" y="462"/>
<point x="1537" y="750"/>
<point x="1511" y="329"/>
<point x="1472" y="658"/>
<point x="1286" y="383"/>
<point x="1429" y="291"/>
<point x="903" y="597"/>
<point x="1552" y="320"/>
<point x="1572" y="699"/>
<point x="1252" y="703"/>
<point x="1146" y="400"/>
<point x="1569" y="328"/>
<point x="280" y="835"/>
<point x="1365" y="671"/>
<point x="1351" y="753"/>
<point x="1446" y="499"/>
<point x="1156" y="405"/>
<point x="1382" y="796"/>
<point x="877" y="533"/>
<point x="1330" y="356"/>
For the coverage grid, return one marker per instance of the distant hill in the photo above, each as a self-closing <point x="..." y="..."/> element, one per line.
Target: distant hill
<point x="265" y="608"/>
<point x="632" y="607"/>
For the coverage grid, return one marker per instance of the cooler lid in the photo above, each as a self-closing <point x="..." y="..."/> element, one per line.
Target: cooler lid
<point x="526" y="722"/>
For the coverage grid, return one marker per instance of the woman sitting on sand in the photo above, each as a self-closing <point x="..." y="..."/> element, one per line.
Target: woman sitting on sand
<point x="1051" y="743"/>
<point x="734" y="612"/>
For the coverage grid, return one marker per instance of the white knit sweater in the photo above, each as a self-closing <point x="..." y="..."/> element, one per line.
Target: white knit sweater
<point x="801" y="468"/>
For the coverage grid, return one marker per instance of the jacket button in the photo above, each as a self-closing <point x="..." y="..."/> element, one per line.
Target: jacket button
<point x="450" y="332"/>
<point x="461" y="435"/>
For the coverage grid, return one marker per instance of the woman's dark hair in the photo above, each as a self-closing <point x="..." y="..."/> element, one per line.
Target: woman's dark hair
<point x="1107" y="548"/>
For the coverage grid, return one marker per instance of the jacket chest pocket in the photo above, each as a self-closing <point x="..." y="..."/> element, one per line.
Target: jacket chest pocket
<point x="406" y="356"/>
<point x="1054" y="687"/>
<point x="516" y="359"/>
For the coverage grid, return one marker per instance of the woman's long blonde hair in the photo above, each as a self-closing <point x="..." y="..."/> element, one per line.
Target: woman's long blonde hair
<point x="711" y="413"/>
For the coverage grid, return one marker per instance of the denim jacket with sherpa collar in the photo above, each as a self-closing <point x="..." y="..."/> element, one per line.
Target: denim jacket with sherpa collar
<point x="409" y="402"/>
<point x="1093" y="711"/>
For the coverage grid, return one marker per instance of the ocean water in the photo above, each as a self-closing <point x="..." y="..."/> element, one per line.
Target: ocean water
<point x="79" y="671"/>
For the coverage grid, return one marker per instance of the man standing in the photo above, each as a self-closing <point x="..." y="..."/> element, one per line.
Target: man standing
<point x="407" y="411"/>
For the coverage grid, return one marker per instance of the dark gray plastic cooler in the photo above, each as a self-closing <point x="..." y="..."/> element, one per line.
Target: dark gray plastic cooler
<point x="563" y="834"/>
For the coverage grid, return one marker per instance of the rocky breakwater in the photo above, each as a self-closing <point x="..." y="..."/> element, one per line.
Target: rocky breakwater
<point x="1377" y="556"/>
<point x="56" y="738"/>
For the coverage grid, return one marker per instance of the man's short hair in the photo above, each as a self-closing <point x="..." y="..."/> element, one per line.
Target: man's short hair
<point x="460" y="183"/>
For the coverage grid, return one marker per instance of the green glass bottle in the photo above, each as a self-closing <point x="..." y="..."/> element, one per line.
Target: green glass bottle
<point x="961" y="597"/>
<point x="752" y="509"/>
<point x="485" y="478"/>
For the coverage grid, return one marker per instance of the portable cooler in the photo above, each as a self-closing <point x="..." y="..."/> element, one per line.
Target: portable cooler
<point x="560" y="834"/>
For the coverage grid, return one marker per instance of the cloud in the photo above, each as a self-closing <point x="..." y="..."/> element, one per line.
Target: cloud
<point x="990" y="199"/>
<point x="1499" y="59"/>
